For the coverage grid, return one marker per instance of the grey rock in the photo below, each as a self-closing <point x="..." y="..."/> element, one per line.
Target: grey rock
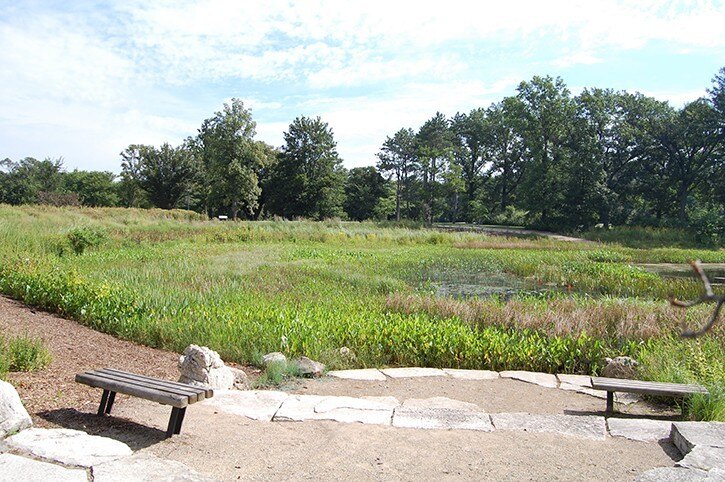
<point x="241" y="381"/>
<point x="687" y="435"/>
<point x="586" y="426"/>
<point x="274" y="357"/>
<point x="704" y="458"/>
<point x="253" y="404"/>
<point x="677" y="474"/>
<point x="620" y="367"/>
<point x="542" y="379"/>
<point x="70" y="447"/>
<point x="640" y="429"/>
<point x="15" y="468"/>
<point x="471" y="374"/>
<point x="367" y="374"/>
<point x="202" y="366"/>
<point x="309" y="367"/>
<point x="146" y="467"/>
<point x="441" y="418"/>
<point x="413" y="372"/>
<point x="13" y="416"/>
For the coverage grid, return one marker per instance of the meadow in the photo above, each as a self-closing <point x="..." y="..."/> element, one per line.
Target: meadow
<point x="386" y="292"/>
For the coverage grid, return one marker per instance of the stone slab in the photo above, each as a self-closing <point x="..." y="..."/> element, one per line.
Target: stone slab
<point x="364" y="403"/>
<point x="471" y="374"/>
<point x="586" y="426"/>
<point x="254" y="404"/>
<point x="586" y="391"/>
<point x="297" y="408"/>
<point x="143" y="466"/>
<point x="413" y="372"/>
<point x="678" y="474"/>
<point x="367" y="410"/>
<point x="542" y="379"/>
<point x="365" y="374"/>
<point x="687" y="435"/>
<point x="14" y="468"/>
<point x="640" y="429"/>
<point x="704" y="458"/>
<point x="579" y="380"/>
<point x="13" y="416"/>
<point x="441" y="418"/>
<point x="69" y="447"/>
<point x="440" y="402"/>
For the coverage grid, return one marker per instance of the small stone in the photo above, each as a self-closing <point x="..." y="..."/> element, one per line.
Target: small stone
<point x="241" y="381"/>
<point x="704" y="458"/>
<point x="14" y="468"/>
<point x="471" y="374"/>
<point x="640" y="429"/>
<point x="546" y="380"/>
<point x="413" y="372"/>
<point x="203" y="367"/>
<point x="309" y="367"/>
<point x="13" y="416"/>
<point x="620" y="367"/>
<point x="146" y="467"/>
<point x="366" y="374"/>
<point x="254" y="404"/>
<point x="441" y="418"/>
<point x="585" y="426"/>
<point x="274" y="357"/>
<point x="70" y="447"/>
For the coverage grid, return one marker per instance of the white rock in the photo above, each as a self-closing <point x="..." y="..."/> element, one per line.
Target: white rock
<point x="440" y="402"/>
<point x="413" y="372"/>
<point x="640" y="429"/>
<point x="202" y="366"/>
<point x="578" y="380"/>
<point x="14" y="468"/>
<point x="13" y="416"/>
<point x="297" y="408"/>
<point x="441" y="418"/>
<point x="146" y="467"/>
<point x="542" y="379"/>
<point x="365" y="403"/>
<point x="366" y="374"/>
<point x="254" y="404"/>
<point x="274" y="357"/>
<point x="309" y="367"/>
<point x="241" y="381"/>
<point x="585" y="426"/>
<point x="704" y="458"/>
<point x="70" y="447"/>
<point x="471" y="374"/>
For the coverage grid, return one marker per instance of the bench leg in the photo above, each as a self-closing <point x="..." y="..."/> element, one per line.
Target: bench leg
<point x="175" y="421"/>
<point x="610" y="402"/>
<point x="109" y="403"/>
<point x="104" y="401"/>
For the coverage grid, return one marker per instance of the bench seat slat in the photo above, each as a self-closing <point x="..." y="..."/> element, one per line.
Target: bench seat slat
<point x="200" y="394"/>
<point x="208" y="392"/>
<point x="643" y="387"/>
<point x="99" y="381"/>
<point x="191" y="397"/>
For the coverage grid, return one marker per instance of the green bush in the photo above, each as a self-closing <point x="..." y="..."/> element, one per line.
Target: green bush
<point x="85" y="237"/>
<point x="23" y="354"/>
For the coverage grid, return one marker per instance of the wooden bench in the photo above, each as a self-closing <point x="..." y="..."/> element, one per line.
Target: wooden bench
<point x="612" y="385"/>
<point x="176" y="394"/>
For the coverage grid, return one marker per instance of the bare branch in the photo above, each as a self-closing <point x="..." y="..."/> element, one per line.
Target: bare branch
<point x="708" y="297"/>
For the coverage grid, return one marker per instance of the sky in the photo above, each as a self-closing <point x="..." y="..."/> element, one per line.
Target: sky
<point x="82" y="80"/>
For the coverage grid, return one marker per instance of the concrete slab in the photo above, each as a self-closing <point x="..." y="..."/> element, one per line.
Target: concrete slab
<point x="704" y="458"/>
<point x="441" y="418"/>
<point x="69" y="447"/>
<point x="143" y="466"/>
<point x="364" y="403"/>
<point x="413" y="372"/>
<point x="254" y="404"/>
<point x="687" y="435"/>
<point x="640" y="429"/>
<point x="677" y="474"/>
<point x="366" y="374"/>
<point x="368" y="410"/>
<point x="297" y="408"/>
<point x="586" y="391"/>
<point x="585" y="426"/>
<point x="14" y="468"/>
<point x="542" y="379"/>
<point x="471" y="374"/>
<point x="579" y="380"/>
<point x="440" y="402"/>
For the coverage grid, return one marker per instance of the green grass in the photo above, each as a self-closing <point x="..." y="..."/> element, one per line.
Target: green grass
<point x="22" y="354"/>
<point x="168" y="279"/>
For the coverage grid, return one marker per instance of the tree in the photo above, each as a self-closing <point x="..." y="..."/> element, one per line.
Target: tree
<point x="129" y="187"/>
<point x="23" y="181"/>
<point x="435" y="147"/>
<point x="398" y="158"/>
<point x="504" y="150"/>
<point x="232" y="160"/>
<point x="308" y="178"/>
<point x="93" y="188"/>
<point x="471" y="132"/>
<point x="365" y="192"/>
<point x="167" y="174"/>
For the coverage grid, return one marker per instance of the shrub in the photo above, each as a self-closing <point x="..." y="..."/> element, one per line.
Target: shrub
<point x="23" y="354"/>
<point x="85" y="237"/>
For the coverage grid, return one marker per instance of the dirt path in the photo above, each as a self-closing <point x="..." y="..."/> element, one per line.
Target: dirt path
<point x="231" y="447"/>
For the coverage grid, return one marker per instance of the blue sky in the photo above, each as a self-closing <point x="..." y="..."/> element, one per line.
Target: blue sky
<point x="83" y="80"/>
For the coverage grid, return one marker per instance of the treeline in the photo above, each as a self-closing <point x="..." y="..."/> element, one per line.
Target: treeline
<point x="542" y="157"/>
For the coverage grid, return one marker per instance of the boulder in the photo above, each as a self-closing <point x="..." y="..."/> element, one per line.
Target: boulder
<point x="202" y="367"/>
<point x="308" y="367"/>
<point x="241" y="381"/>
<point x="13" y="416"/>
<point x="620" y="367"/>
<point x="274" y="357"/>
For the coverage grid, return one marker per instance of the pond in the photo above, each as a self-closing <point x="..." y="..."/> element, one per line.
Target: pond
<point x="715" y="271"/>
<point x="484" y="285"/>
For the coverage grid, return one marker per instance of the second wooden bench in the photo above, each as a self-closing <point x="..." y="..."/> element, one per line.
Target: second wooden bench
<point x="611" y="385"/>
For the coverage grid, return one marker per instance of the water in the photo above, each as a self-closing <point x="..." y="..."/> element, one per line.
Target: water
<point x="484" y="285"/>
<point x="715" y="271"/>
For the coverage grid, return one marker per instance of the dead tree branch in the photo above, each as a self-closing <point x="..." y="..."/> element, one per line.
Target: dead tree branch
<point x="708" y="297"/>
